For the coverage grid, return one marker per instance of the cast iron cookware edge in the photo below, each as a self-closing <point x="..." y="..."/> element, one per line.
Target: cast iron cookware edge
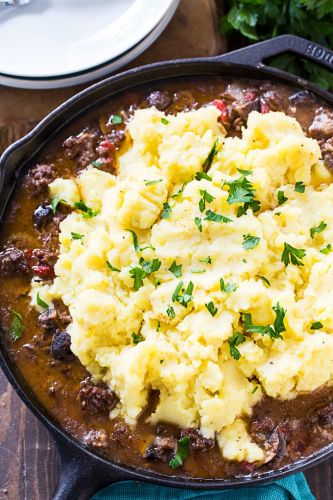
<point x="84" y="471"/>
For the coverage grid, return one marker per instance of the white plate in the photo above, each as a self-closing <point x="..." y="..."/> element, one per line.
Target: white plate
<point x="93" y="73"/>
<point x="52" y="38"/>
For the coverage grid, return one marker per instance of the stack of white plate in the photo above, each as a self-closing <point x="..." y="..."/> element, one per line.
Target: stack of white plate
<point x="57" y="43"/>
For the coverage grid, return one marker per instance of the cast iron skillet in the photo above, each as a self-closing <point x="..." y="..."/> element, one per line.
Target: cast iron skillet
<point x="84" y="471"/>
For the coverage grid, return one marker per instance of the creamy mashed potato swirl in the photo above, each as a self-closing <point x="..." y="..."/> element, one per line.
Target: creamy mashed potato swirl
<point x="142" y="276"/>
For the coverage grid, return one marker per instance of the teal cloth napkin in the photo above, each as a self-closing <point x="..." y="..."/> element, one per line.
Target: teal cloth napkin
<point x="291" y="488"/>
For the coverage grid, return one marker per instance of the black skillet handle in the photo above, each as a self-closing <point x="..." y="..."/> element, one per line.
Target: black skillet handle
<point x="254" y="55"/>
<point x="81" y="476"/>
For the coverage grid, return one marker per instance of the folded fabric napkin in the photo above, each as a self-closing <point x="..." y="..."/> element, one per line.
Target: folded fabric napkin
<point x="291" y="488"/>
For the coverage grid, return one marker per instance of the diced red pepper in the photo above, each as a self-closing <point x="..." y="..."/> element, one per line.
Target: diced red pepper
<point x="107" y="145"/>
<point x="264" y="108"/>
<point x="221" y="105"/>
<point x="28" y="257"/>
<point x="44" y="271"/>
<point x="250" y="95"/>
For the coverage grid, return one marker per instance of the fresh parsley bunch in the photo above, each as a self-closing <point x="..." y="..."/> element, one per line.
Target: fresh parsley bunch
<point x="263" y="19"/>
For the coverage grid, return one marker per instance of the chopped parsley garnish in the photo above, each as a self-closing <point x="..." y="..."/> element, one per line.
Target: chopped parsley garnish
<point x="207" y="260"/>
<point x="135" y="240"/>
<point x="281" y="198"/>
<point x="158" y="326"/>
<point x="206" y="198"/>
<point x="181" y="295"/>
<point x="211" y="155"/>
<point x="183" y="449"/>
<point x="157" y="282"/>
<point x="198" y="271"/>
<point x="263" y="278"/>
<point x="241" y="190"/>
<point x="274" y="331"/>
<point x="211" y="308"/>
<point x="250" y="242"/>
<point x="164" y="121"/>
<point x="87" y="212"/>
<point x="227" y="287"/>
<point x="55" y="202"/>
<point x="316" y="326"/>
<point x="151" y="183"/>
<point x="235" y="340"/>
<point x="214" y="217"/>
<point x="41" y="302"/>
<point x="138" y="275"/>
<point x="76" y="236"/>
<point x="110" y="266"/>
<point x="150" y="266"/>
<point x="327" y="249"/>
<point x="171" y="312"/>
<point x="16" y="327"/>
<point x="299" y="187"/>
<point x="292" y="255"/>
<point x="198" y="223"/>
<point x="202" y="175"/>
<point x="115" y="120"/>
<point x="180" y="191"/>
<point x="318" y="229"/>
<point x="96" y="163"/>
<point x="255" y="389"/>
<point x="137" y="337"/>
<point x="166" y="212"/>
<point x="175" y="269"/>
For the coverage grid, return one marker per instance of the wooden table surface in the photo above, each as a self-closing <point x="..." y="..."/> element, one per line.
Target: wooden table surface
<point x="29" y="463"/>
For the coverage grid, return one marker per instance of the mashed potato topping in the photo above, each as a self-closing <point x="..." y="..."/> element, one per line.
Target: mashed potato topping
<point x="203" y="270"/>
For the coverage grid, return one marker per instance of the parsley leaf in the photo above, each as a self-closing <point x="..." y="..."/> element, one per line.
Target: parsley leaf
<point x="274" y="331"/>
<point x="327" y="249"/>
<point x="241" y="190"/>
<point x="150" y="266"/>
<point x="110" y="266"/>
<point x="183" y="450"/>
<point x="114" y="120"/>
<point x="281" y="198"/>
<point x="171" y="312"/>
<point x="77" y="236"/>
<point x="250" y="242"/>
<point x="137" y="337"/>
<point x="206" y="198"/>
<point x="16" y="327"/>
<point x="211" y="155"/>
<point x="175" y="269"/>
<point x="292" y="255"/>
<point x="166" y="212"/>
<point x="198" y="223"/>
<point x="55" y="202"/>
<point x="202" y="175"/>
<point x="265" y="280"/>
<point x="316" y="326"/>
<point x="135" y="240"/>
<point x="164" y="121"/>
<point x="87" y="212"/>
<point x="138" y="276"/>
<point x="186" y="296"/>
<point x="317" y="229"/>
<point x="180" y="191"/>
<point x="207" y="260"/>
<point x="214" y="217"/>
<point x="299" y="187"/>
<point x="151" y="183"/>
<point x="198" y="271"/>
<point x="235" y="340"/>
<point x="96" y="163"/>
<point x="227" y="287"/>
<point x="41" y="302"/>
<point x="211" y="308"/>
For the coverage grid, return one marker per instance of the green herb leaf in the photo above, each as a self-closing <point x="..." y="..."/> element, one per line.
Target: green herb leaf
<point x="235" y="340"/>
<point x="316" y="326"/>
<point x="151" y="183"/>
<point x="198" y="223"/>
<point x="150" y="266"/>
<point x="178" y="289"/>
<point x="55" y="202"/>
<point x="16" y="327"/>
<point x="114" y="120"/>
<point x="87" y="212"/>
<point x="41" y="302"/>
<point x="157" y="282"/>
<point x="166" y="212"/>
<point x="255" y="389"/>
<point x="327" y="249"/>
<point x="281" y="198"/>
<point x="299" y="187"/>
<point x="77" y="236"/>
<point x="317" y="229"/>
<point x="250" y="242"/>
<point x="175" y="269"/>
<point x="135" y="240"/>
<point x="186" y="296"/>
<point x="96" y="164"/>
<point x="183" y="450"/>
<point x="274" y="331"/>
<point x="207" y="260"/>
<point x="137" y="337"/>
<point x="214" y="217"/>
<point x="242" y="191"/>
<point x="202" y="175"/>
<point x="164" y="121"/>
<point x="198" y="271"/>
<point x="180" y="191"/>
<point x="110" y="266"/>
<point x="211" y="308"/>
<point x="211" y="155"/>
<point x="265" y="280"/>
<point x="138" y="276"/>
<point x="206" y="198"/>
<point x="171" y="312"/>
<point x="292" y="255"/>
<point x="227" y="287"/>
